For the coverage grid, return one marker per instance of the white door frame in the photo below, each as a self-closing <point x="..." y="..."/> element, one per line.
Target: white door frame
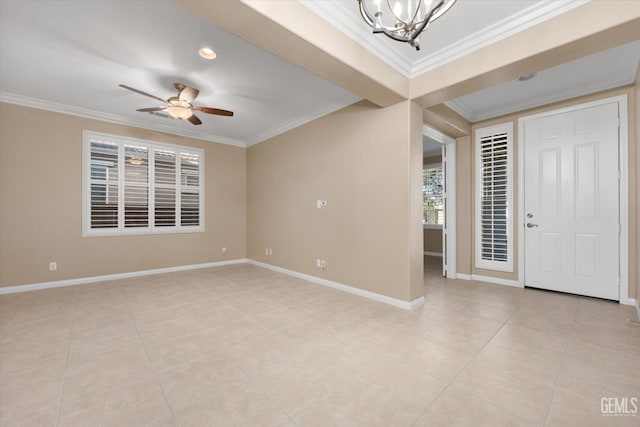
<point x="623" y="192"/>
<point x="450" y="180"/>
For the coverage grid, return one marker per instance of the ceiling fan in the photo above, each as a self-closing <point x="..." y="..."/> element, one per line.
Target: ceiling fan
<point x="180" y="106"/>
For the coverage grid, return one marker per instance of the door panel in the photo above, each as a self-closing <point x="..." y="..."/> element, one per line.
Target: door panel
<point x="571" y="202"/>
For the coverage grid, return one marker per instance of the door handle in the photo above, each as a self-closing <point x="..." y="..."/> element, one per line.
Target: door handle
<point x="529" y="225"/>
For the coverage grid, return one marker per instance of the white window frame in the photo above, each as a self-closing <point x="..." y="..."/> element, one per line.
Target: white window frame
<point x="479" y="134"/>
<point x="431" y="166"/>
<point x="120" y="230"/>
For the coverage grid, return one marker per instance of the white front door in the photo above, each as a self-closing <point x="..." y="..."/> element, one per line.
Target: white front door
<point x="571" y="202"/>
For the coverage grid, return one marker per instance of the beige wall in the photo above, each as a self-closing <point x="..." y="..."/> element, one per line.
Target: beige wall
<point x="466" y="197"/>
<point x="364" y="161"/>
<point x="432" y="240"/>
<point x="41" y="204"/>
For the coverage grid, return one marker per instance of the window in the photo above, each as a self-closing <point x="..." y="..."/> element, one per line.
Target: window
<point x="494" y="204"/>
<point x="139" y="187"/>
<point x="433" y="195"/>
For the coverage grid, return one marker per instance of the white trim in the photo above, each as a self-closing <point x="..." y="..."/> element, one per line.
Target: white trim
<point x="449" y="163"/>
<point x="407" y="305"/>
<point x="437" y="136"/>
<point x="623" y="134"/>
<point x="489" y="279"/>
<point x="439" y="254"/>
<point x="478" y="135"/>
<point x="112" y="118"/>
<point x="108" y="277"/>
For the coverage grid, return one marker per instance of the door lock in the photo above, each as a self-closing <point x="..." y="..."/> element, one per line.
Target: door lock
<point x="529" y="225"/>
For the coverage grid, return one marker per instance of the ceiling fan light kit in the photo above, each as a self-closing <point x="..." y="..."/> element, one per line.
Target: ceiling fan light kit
<point x="402" y="20"/>
<point x="180" y="107"/>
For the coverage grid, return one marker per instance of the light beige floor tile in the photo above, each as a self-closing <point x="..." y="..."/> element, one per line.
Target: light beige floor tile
<point x="235" y="333"/>
<point x="233" y="404"/>
<point x="240" y="345"/>
<point x="31" y="397"/>
<point x="455" y="408"/>
<point x="189" y="382"/>
<point x="425" y="356"/>
<point x="523" y="392"/>
<point x="132" y="403"/>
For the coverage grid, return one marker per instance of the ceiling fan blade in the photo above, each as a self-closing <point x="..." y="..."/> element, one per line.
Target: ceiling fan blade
<point x="215" y="111"/>
<point x="148" y="110"/>
<point x="188" y="94"/>
<point x="143" y="93"/>
<point x="194" y="120"/>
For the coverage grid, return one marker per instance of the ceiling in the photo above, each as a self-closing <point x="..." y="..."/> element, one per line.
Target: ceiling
<point x="605" y="70"/>
<point x="70" y="56"/>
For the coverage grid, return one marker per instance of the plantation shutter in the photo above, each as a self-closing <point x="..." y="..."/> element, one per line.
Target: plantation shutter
<point x="136" y="186"/>
<point x="493" y="245"/>
<point x="133" y="186"/>
<point x="165" y="188"/>
<point x="189" y="189"/>
<point x="103" y="203"/>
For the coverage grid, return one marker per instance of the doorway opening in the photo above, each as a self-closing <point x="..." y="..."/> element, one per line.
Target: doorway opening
<point x="439" y="207"/>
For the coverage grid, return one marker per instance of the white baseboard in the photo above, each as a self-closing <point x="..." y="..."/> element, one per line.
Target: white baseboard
<point x="488" y="279"/>
<point x="433" y="254"/>
<point x="94" y="279"/>
<point x="407" y="305"/>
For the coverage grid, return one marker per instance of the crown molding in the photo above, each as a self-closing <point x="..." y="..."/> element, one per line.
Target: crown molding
<point x="459" y="106"/>
<point x="41" y="104"/>
<point x="502" y="29"/>
<point x="337" y="14"/>
<point x="291" y="124"/>
<point x="341" y="17"/>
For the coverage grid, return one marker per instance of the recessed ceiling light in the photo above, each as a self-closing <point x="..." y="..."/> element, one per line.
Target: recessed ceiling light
<point x="207" y="53"/>
<point x="527" y="77"/>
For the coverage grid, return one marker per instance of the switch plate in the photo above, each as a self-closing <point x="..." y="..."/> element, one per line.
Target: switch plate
<point x="224" y="250"/>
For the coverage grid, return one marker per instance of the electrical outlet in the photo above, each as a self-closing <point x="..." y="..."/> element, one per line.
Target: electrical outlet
<point x="266" y="251"/>
<point x="320" y="263"/>
<point x="270" y="251"/>
<point x="53" y="266"/>
<point x="224" y="250"/>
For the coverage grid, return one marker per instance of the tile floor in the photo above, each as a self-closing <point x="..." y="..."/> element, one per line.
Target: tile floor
<point x="240" y="345"/>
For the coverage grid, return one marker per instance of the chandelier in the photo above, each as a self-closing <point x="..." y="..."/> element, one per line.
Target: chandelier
<point x="403" y="20"/>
